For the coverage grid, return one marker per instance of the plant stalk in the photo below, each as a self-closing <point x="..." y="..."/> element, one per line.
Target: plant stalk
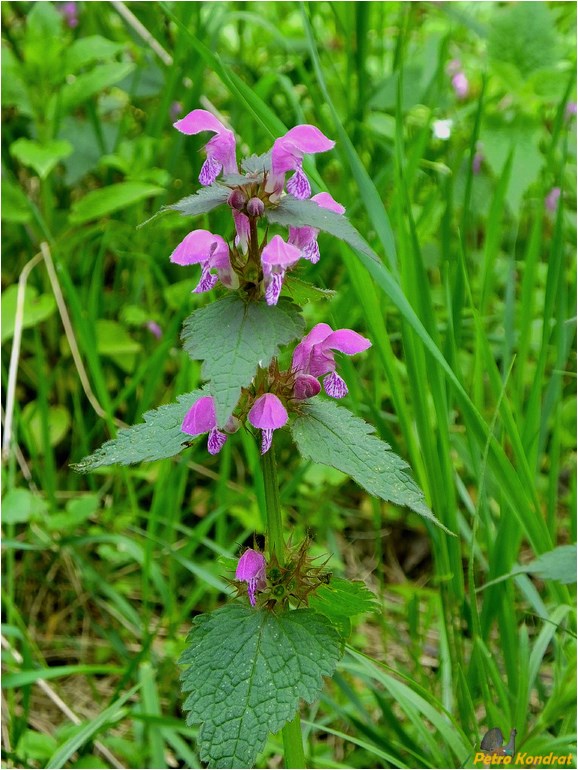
<point x="275" y="543"/>
<point x="292" y="740"/>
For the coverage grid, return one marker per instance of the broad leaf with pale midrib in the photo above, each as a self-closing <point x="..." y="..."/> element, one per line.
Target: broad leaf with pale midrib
<point x="158" y="437"/>
<point x="234" y="338"/>
<point x="331" y="435"/>
<point x="247" y="671"/>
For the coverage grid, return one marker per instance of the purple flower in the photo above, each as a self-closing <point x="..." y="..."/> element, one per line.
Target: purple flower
<point x="220" y="149"/>
<point x="551" y="200"/>
<point x="477" y="161"/>
<point x="268" y="414"/>
<point x="69" y="12"/>
<point x="571" y="108"/>
<point x="155" y="329"/>
<point x="315" y="355"/>
<point x="243" y="228"/>
<point x="176" y="109"/>
<point x="287" y="155"/>
<point x="201" y="418"/>
<point x="276" y="257"/>
<point x="212" y="252"/>
<point x="305" y="238"/>
<point x="460" y="85"/>
<point x="251" y="569"/>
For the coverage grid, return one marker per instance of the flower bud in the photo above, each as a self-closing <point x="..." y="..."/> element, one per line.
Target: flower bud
<point x="306" y="386"/>
<point x="251" y="569"/>
<point x="237" y="199"/>
<point x="255" y="207"/>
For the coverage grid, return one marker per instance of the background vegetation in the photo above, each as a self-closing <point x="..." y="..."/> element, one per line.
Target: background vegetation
<point x="474" y="218"/>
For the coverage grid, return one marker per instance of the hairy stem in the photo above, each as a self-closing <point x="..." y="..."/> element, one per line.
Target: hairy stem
<point x="292" y="740"/>
<point x="275" y="541"/>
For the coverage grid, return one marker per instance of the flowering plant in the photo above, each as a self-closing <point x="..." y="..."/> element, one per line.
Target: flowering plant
<point x="250" y="662"/>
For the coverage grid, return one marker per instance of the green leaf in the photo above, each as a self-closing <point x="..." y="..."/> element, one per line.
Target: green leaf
<point x="302" y="292"/>
<point x="44" y="41"/>
<point x="234" y="338"/>
<point x="20" y="505"/>
<point x="89" y="49"/>
<point x="291" y="211"/>
<point x="36" y="309"/>
<point x="58" y="418"/>
<point x="521" y="138"/>
<point x="558" y="564"/>
<point x="158" y="437"/>
<point x="331" y="435"/>
<point x="14" y="84"/>
<point x="204" y="200"/>
<point x="89" y="84"/>
<point x="99" y="203"/>
<point x="341" y="600"/>
<point x="523" y="35"/>
<point x="247" y="671"/>
<point x="113" y="340"/>
<point x="16" y="206"/>
<point x="41" y="157"/>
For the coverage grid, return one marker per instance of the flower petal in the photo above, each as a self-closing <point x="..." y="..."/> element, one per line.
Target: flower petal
<point x="346" y="341"/>
<point x="302" y="353"/>
<point x="216" y="441"/>
<point x="201" y="417"/>
<point x="200" y="246"/>
<point x="326" y="201"/>
<point x="335" y="386"/>
<point x="268" y="412"/>
<point x="277" y="252"/>
<point x="200" y="120"/>
<point x="250" y="565"/>
<point x="289" y="149"/>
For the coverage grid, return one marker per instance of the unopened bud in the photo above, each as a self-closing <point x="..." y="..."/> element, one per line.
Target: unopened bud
<point x="306" y="386"/>
<point x="255" y="207"/>
<point x="232" y="425"/>
<point x="237" y="199"/>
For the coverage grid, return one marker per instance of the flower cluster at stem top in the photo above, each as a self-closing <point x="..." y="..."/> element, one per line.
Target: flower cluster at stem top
<point x="254" y="268"/>
<point x="257" y="269"/>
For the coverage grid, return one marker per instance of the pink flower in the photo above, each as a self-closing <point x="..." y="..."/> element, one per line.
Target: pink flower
<point x="305" y="238"/>
<point x="276" y="257"/>
<point x="314" y="355"/>
<point x="201" y="418"/>
<point x="251" y="569"/>
<point x="212" y="252"/>
<point x="287" y="155"/>
<point x="268" y="414"/>
<point x="552" y="199"/>
<point x="460" y="85"/>
<point x="69" y="12"/>
<point x="155" y="329"/>
<point x="220" y="149"/>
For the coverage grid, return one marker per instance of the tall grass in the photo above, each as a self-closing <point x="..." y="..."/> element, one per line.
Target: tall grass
<point x="471" y="311"/>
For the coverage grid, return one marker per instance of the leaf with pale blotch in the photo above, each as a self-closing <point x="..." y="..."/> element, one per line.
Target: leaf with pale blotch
<point x="234" y="338"/>
<point x="247" y="671"/>
<point x="158" y="437"/>
<point x="331" y="435"/>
